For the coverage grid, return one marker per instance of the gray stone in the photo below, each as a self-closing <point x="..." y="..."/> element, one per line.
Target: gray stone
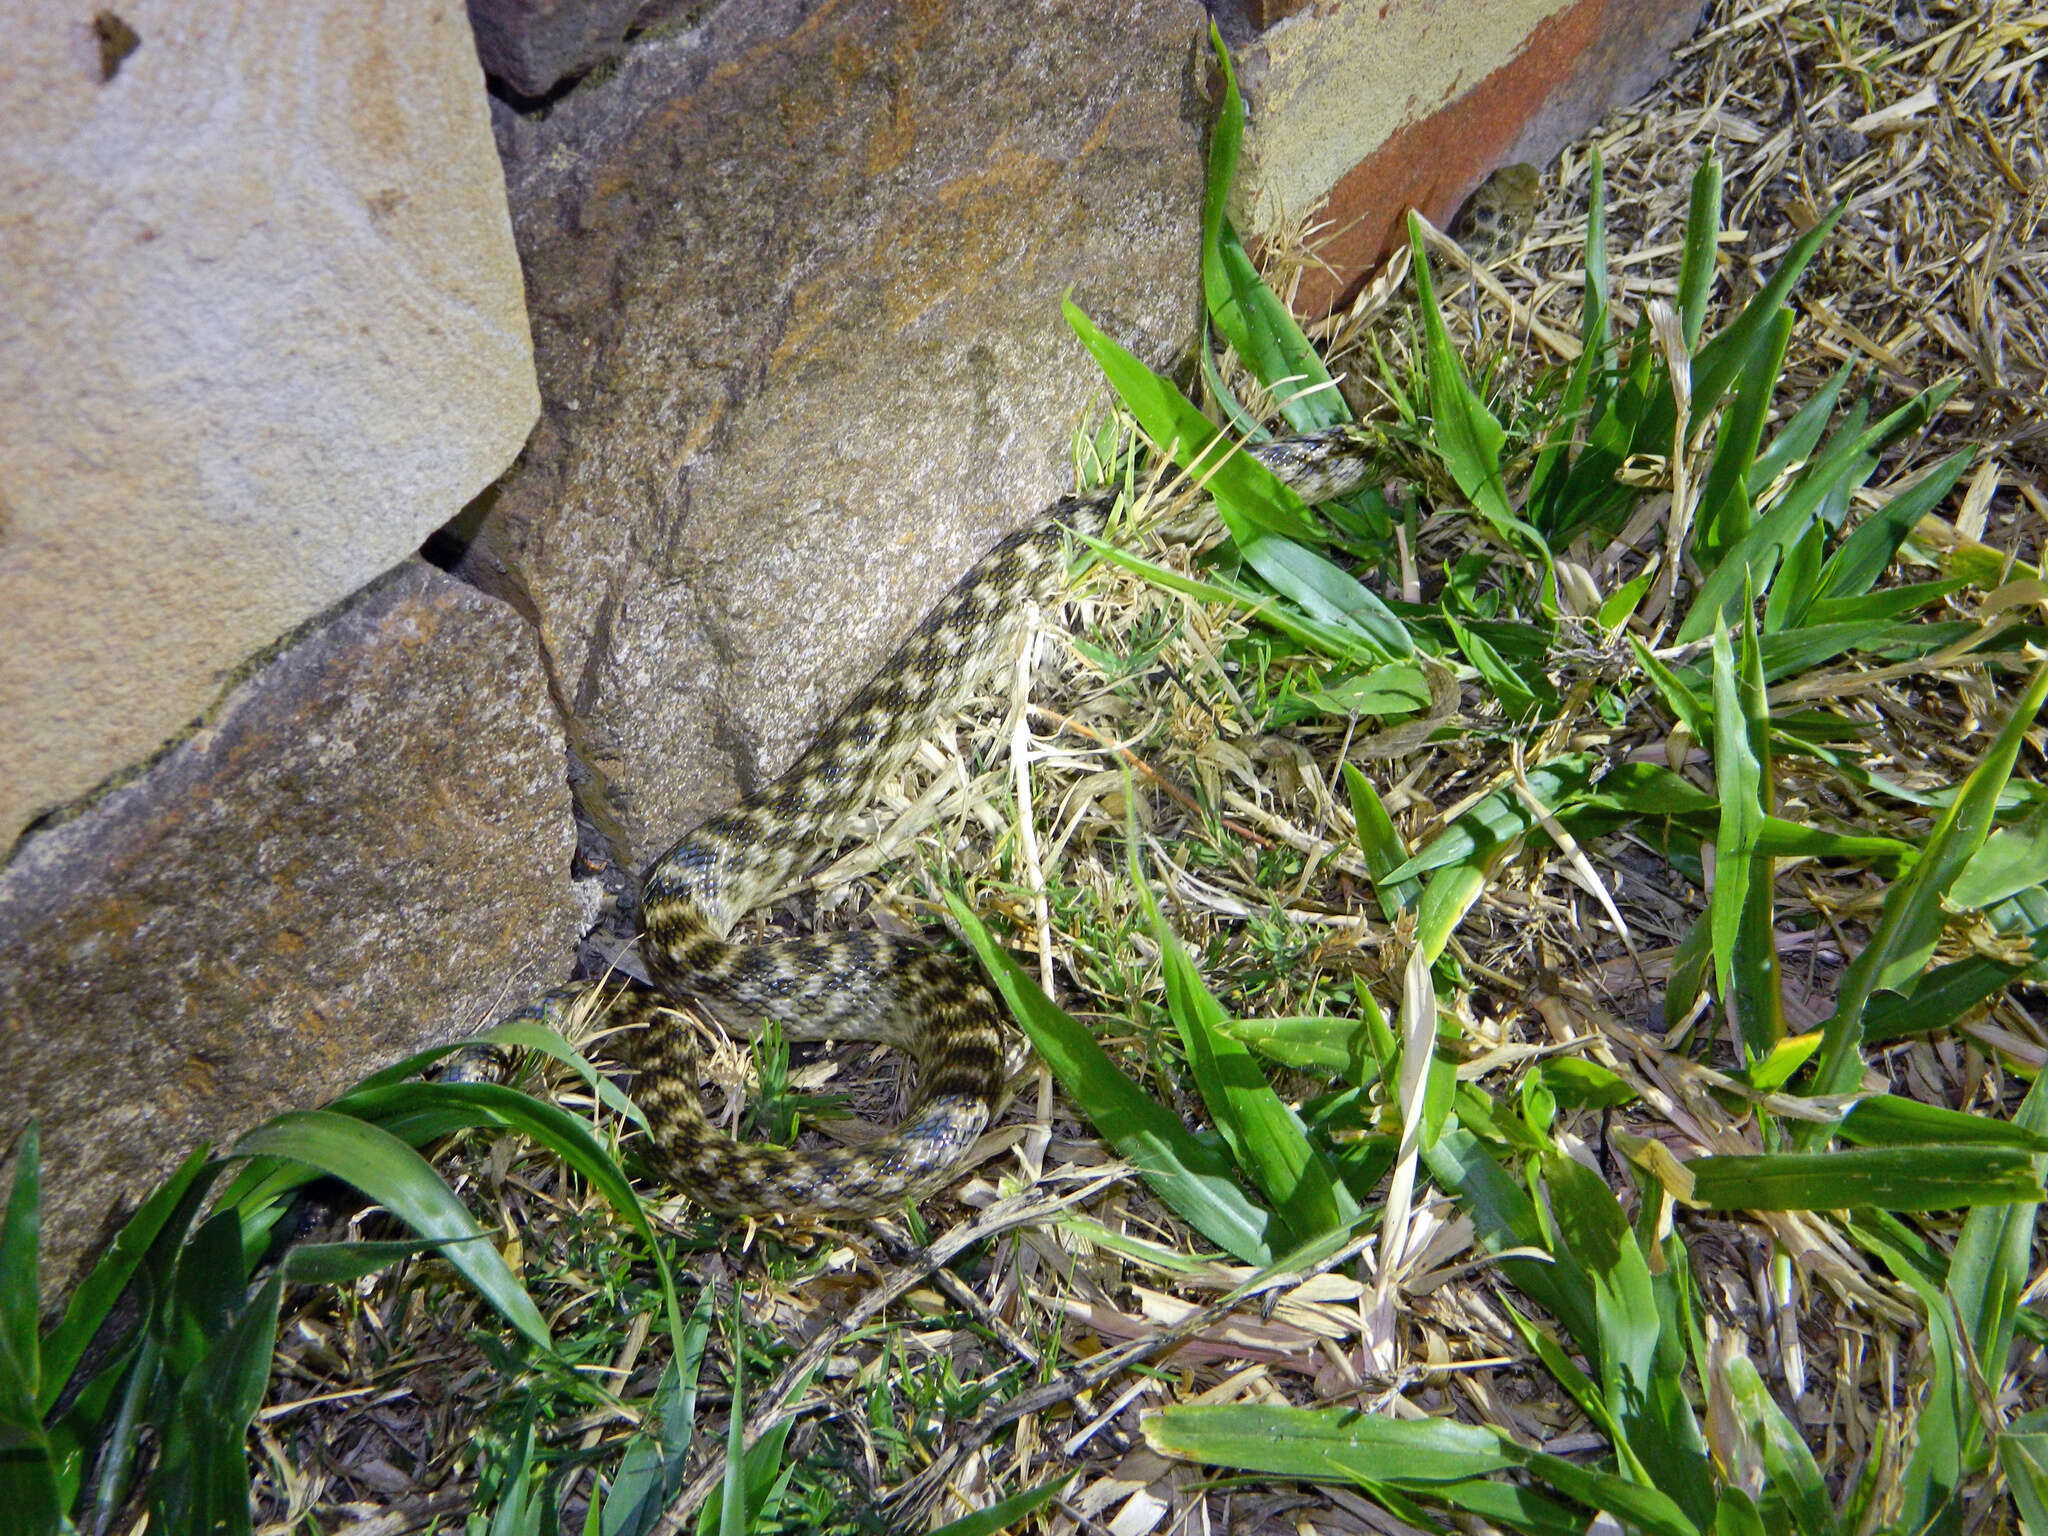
<point x="531" y="46"/>
<point x="261" y="331"/>
<point x="796" y="281"/>
<point x="358" y="856"/>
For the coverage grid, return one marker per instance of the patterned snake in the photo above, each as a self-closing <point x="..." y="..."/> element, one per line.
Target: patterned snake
<point x="867" y="986"/>
<point x="856" y="986"/>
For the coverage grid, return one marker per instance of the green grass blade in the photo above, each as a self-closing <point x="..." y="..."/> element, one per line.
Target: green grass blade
<point x="1379" y="844"/>
<point x="1794" y="1493"/>
<point x="1797" y="438"/>
<point x="202" y="1481"/>
<point x="1456" y="1463"/>
<point x="405" y="1184"/>
<point x="1266" y="1138"/>
<point x="21" y="1226"/>
<point x="2023" y="1458"/>
<point x="1320" y="1045"/>
<point x="1725" y="513"/>
<point x="102" y="1288"/>
<point x="1503" y="1217"/>
<point x="1845" y="464"/>
<point x="656" y="1464"/>
<point x="1591" y="1224"/>
<point x="1715" y="365"/>
<point x="1742" y="723"/>
<point x="1939" y="998"/>
<point x="1989" y="1271"/>
<point x="464" y="1106"/>
<point x="1497" y="820"/>
<point x="1242" y="308"/>
<point x="1912" y="918"/>
<point x="1887" y="1178"/>
<point x="1251" y="499"/>
<point x="1696" y="266"/>
<point x="1005" y="1513"/>
<point x="1867" y="553"/>
<point x="1587" y="386"/>
<point x="1192" y="1178"/>
<point x="1888" y="1120"/>
<point x="28" y="1469"/>
<point x="1466" y="437"/>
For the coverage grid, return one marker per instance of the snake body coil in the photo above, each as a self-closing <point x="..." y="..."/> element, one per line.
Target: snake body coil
<point x="857" y="986"/>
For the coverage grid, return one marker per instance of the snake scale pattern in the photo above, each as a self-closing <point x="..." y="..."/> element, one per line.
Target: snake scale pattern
<point x="856" y="986"/>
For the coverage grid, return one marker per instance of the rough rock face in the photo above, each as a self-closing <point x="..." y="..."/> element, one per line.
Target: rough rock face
<point x="357" y="857"/>
<point x="261" y="330"/>
<point x="796" y="283"/>
<point x="531" y="46"/>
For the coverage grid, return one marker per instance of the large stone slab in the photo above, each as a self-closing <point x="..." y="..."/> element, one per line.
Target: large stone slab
<point x="358" y="856"/>
<point x="261" y="330"/>
<point x="1358" y="110"/>
<point x="796" y="281"/>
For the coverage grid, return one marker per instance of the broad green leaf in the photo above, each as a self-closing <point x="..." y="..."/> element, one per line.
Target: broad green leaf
<point x="1330" y="595"/>
<point x="1793" y="1486"/>
<point x="2023" y="1458"/>
<point x="1925" y="1178"/>
<point x="1799" y="435"/>
<point x="2011" y="860"/>
<point x="1242" y="308"/>
<point x="20" y="1346"/>
<point x="1867" y="553"/>
<point x="1379" y="844"/>
<point x="1334" y="640"/>
<point x="1321" y="1045"/>
<point x="1456" y="1463"/>
<point x="1499" y="818"/>
<point x="1465" y="435"/>
<point x="1592" y="1225"/>
<point x="405" y="1184"/>
<point x="1005" y="1513"/>
<point x="1745" y="945"/>
<point x="1938" y="998"/>
<point x="1888" y="1120"/>
<point x="1398" y="688"/>
<point x="1582" y="1084"/>
<point x="656" y="1464"/>
<point x="1192" y="1178"/>
<point x="464" y="1106"/>
<point x="1845" y="464"/>
<point x="1993" y="1258"/>
<point x="1725" y="512"/>
<point x="1696" y="265"/>
<point x="102" y="1288"/>
<point x="1911" y="921"/>
<point x="1504" y="1218"/>
<point x="1251" y="499"/>
<point x="1266" y="1138"/>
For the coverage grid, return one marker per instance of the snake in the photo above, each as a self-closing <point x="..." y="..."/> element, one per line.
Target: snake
<point x="936" y="1009"/>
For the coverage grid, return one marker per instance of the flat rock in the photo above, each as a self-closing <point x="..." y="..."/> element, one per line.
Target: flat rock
<point x="358" y="856"/>
<point x="261" y="331"/>
<point x="1358" y="110"/>
<point x="795" y="278"/>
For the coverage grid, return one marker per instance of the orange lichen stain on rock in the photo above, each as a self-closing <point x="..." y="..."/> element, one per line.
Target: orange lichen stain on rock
<point x="1433" y="163"/>
<point x="963" y="237"/>
<point x="891" y="140"/>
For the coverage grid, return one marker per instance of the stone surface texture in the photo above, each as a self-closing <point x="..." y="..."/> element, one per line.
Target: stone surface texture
<point x="532" y="46"/>
<point x="261" y="329"/>
<point x="1363" y="109"/>
<point x="796" y="280"/>
<point x="358" y="856"/>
